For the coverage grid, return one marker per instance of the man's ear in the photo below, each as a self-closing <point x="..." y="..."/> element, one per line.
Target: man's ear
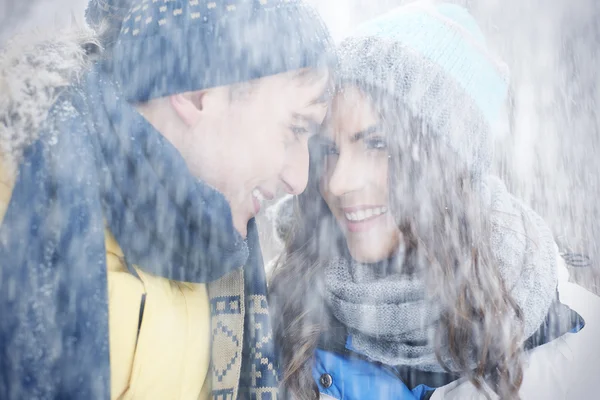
<point x="188" y="106"/>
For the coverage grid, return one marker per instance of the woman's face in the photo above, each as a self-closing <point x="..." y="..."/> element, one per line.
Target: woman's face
<point x="355" y="179"/>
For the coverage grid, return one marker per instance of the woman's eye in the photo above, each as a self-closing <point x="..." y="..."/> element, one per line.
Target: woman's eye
<point x="376" y="144"/>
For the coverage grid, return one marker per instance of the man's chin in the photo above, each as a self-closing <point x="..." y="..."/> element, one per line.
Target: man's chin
<point x="241" y="226"/>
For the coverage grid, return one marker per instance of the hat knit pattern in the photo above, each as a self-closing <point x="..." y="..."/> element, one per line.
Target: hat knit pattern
<point x="165" y="47"/>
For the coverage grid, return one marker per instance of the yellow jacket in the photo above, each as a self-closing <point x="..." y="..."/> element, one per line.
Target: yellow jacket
<point x="170" y="356"/>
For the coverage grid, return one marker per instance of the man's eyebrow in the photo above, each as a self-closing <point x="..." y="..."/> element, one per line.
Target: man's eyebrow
<point x="322" y="99"/>
<point x="365" y="132"/>
<point x="310" y="74"/>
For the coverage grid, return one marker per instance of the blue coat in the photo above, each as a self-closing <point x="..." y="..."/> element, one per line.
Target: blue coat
<point x="341" y="373"/>
<point x="348" y="376"/>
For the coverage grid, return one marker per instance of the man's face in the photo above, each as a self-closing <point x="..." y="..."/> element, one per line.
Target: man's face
<point x="252" y="144"/>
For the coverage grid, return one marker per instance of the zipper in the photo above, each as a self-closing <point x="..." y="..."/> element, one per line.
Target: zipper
<point x="134" y="272"/>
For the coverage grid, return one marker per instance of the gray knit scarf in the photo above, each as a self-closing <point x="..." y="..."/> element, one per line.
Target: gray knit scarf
<point x="391" y="319"/>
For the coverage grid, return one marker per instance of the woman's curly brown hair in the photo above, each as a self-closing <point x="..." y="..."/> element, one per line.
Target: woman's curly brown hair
<point x="437" y="208"/>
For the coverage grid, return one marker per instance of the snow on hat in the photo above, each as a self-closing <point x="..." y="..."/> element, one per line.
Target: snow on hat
<point x="434" y="58"/>
<point x="166" y="47"/>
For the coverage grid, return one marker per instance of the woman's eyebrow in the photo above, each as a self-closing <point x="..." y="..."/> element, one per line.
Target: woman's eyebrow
<point x="365" y="132"/>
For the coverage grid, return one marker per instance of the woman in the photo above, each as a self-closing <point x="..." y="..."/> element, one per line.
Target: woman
<point x="408" y="271"/>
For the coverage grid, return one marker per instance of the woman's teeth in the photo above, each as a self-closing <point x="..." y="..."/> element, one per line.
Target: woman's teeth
<point x="365" y="214"/>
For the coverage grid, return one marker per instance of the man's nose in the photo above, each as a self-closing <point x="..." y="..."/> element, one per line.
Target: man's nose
<point x="294" y="175"/>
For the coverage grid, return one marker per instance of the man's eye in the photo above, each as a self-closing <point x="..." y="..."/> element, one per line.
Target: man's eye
<point x="298" y="130"/>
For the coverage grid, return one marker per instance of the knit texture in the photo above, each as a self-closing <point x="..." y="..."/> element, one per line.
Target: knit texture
<point x="434" y="59"/>
<point x="392" y="318"/>
<point x="166" y="47"/>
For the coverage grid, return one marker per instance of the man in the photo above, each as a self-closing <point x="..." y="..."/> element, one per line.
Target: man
<point x="129" y="258"/>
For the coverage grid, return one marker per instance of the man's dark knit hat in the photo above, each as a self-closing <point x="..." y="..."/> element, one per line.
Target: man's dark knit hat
<point x="164" y="47"/>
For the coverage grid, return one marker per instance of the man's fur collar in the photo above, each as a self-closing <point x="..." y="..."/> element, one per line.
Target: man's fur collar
<point x="34" y="68"/>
